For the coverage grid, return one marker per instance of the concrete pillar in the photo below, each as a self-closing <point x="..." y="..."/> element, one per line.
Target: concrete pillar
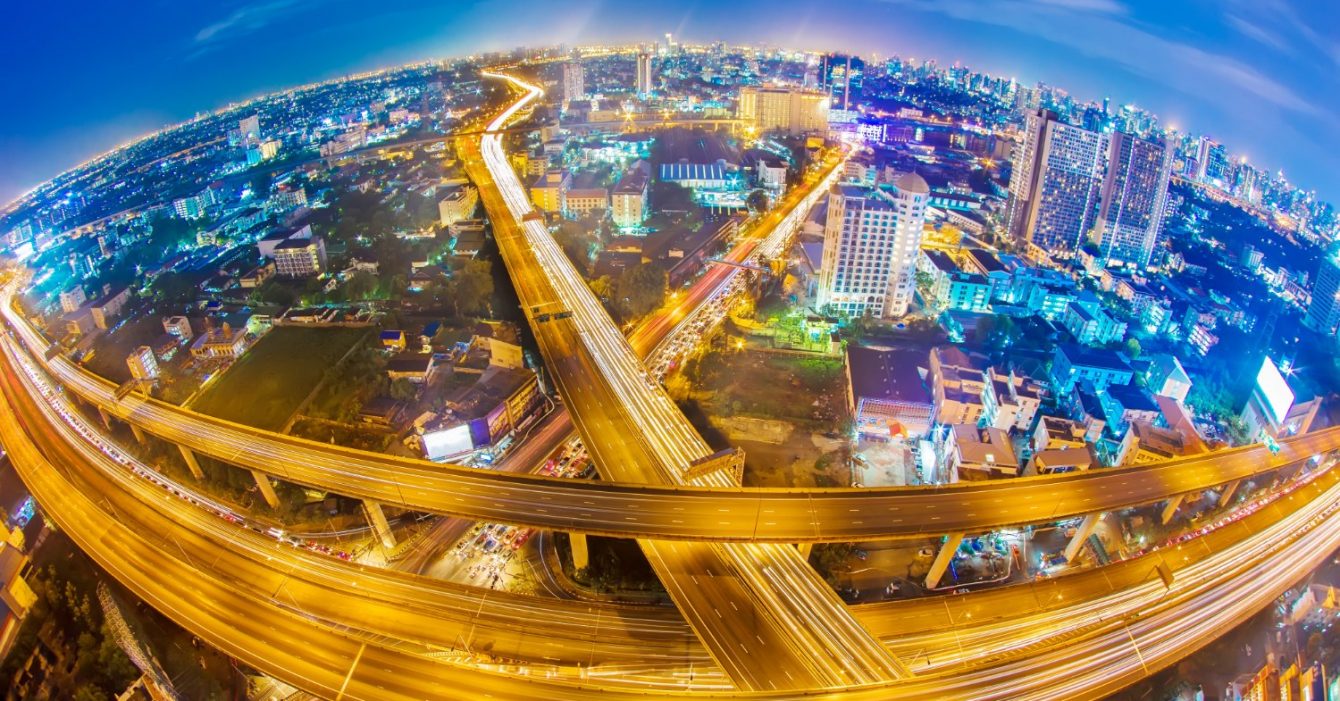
<point x="380" y="526"/>
<point x="581" y="558"/>
<point x="191" y="462"/>
<point x="138" y="433"/>
<point x="942" y="559"/>
<point x="805" y="549"/>
<point x="1082" y="534"/>
<point x="106" y="418"/>
<point x="267" y="489"/>
<point x="1170" y="509"/>
<point x="1229" y="490"/>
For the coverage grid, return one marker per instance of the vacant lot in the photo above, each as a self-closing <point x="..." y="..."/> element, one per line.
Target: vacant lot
<point x="267" y="385"/>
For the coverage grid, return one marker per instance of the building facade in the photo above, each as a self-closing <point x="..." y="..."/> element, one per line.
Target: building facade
<point x="301" y="257"/>
<point x="871" y="243"/>
<point x="1135" y="192"/>
<point x="784" y="109"/>
<point x="1056" y="187"/>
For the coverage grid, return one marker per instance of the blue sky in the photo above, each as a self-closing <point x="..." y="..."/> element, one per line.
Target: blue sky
<point x="1260" y="75"/>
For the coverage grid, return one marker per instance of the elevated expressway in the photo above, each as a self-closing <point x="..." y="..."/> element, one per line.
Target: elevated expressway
<point x="728" y="514"/>
<point x="1127" y="626"/>
<point x="998" y="641"/>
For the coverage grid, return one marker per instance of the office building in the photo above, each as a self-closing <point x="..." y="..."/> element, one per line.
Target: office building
<point x="783" y="109"/>
<point x="250" y="128"/>
<point x="574" y="81"/>
<point x="1135" y="191"/>
<point x="1323" y="312"/>
<point x="871" y="244"/>
<point x="143" y="365"/>
<point x="457" y="204"/>
<point x="644" y="74"/>
<point x="297" y="257"/>
<point x="1055" y="186"/>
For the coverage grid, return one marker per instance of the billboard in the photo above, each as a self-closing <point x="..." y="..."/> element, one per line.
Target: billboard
<point x="1274" y="393"/>
<point x="438" y="445"/>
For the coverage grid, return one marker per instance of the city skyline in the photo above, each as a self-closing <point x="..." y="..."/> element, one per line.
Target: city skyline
<point x="1251" y="75"/>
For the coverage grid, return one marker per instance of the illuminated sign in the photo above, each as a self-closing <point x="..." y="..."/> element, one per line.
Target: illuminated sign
<point x="1274" y="392"/>
<point x="438" y="445"/>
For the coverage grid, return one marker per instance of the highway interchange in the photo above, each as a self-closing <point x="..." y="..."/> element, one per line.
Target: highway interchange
<point x="407" y="626"/>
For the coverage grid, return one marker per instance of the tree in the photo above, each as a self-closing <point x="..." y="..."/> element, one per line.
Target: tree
<point x="757" y="201"/>
<point x="602" y="287"/>
<point x="576" y="242"/>
<point x="641" y="289"/>
<point x="360" y="286"/>
<point x="1133" y="348"/>
<point x="173" y="287"/>
<point x="471" y="287"/>
<point x="668" y="196"/>
<point x="403" y="390"/>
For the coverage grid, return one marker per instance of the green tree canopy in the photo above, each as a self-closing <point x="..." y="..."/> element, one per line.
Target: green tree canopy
<point x="641" y="289"/>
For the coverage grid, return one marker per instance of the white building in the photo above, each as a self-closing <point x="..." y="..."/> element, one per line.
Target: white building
<point x="72" y="299"/>
<point x="871" y="242"/>
<point x="143" y="365"/>
<point x="644" y="74"/>
<point x="301" y="257"/>
<point x="628" y="201"/>
<point x="457" y="204"/>
<point x="178" y="326"/>
<point x="574" y="81"/>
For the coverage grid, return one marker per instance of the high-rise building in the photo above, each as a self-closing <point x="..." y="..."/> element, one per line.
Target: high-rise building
<point x="574" y="80"/>
<point x="784" y="109"/>
<point x="250" y="127"/>
<point x="1055" y="186"/>
<point x="871" y="243"/>
<point x="143" y="365"/>
<point x="300" y="257"/>
<point x="1323" y="312"/>
<point x="643" y="74"/>
<point x="1135" y="190"/>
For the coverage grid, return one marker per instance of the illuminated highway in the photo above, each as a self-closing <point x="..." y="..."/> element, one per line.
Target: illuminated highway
<point x="1170" y="626"/>
<point x="669" y="512"/>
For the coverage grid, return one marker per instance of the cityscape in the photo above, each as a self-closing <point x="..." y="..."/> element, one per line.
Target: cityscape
<point x="670" y="367"/>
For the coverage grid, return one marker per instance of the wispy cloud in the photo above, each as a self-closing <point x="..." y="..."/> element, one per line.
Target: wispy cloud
<point x="1104" y="30"/>
<point x="244" y="20"/>
<point x="1277" y="24"/>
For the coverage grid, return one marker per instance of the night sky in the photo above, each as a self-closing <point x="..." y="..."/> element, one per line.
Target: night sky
<point x="1263" y="76"/>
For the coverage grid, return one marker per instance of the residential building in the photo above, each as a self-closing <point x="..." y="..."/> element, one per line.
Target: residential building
<point x="1060" y="460"/>
<point x="973" y="453"/>
<point x="457" y="204"/>
<point x="784" y="109"/>
<point x="1056" y="185"/>
<point x="1091" y="326"/>
<point x="178" y="326"/>
<point x="1010" y="402"/>
<point x="415" y="367"/>
<point x="1323" y="310"/>
<point x="73" y="298"/>
<point x="301" y="257"/>
<point x="1135" y="191"/>
<point x="1055" y="432"/>
<point x="957" y="381"/>
<point x="580" y="202"/>
<point x="1072" y="364"/>
<point x="109" y="306"/>
<point x="1167" y="377"/>
<point x="549" y="191"/>
<point x="628" y="202"/>
<point x="871" y="243"/>
<point x="250" y="129"/>
<point x="394" y="339"/>
<point x="963" y="290"/>
<point x="143" y="365"/>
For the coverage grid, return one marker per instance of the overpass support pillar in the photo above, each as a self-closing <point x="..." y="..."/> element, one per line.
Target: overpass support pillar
<point x="106" y="418"/>
<point x="805" y="549"/>
<point x="581" y="557"/>
<point x="191" y="462"/>
<point x="267" y="489"/>
<point x="1170" y="508"/>
<point x="1229" y="490"/>
<point x="942" y="559"/>
<point x="138" y="433"/>
<point x="380" y="526"/>
<point x="1082" y="534"/>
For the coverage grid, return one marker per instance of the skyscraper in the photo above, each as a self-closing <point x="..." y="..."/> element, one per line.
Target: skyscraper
<point x="871" y="242"/>
<point x="250" y="127"/>
<point x="1055" y="186"/>
<point x="1323" y="312"/>
<point x="643" y="74"/>
<point x="1135" y="190"/>
<point x="574" y="80"/>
